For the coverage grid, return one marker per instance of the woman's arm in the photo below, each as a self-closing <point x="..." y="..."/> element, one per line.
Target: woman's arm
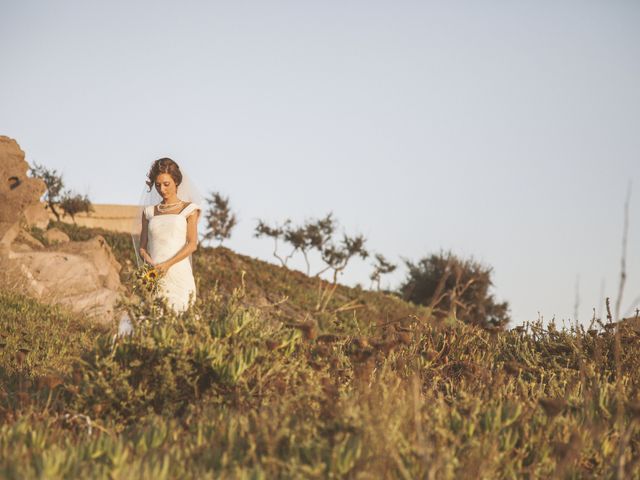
<point x="189" y="247"/>
<point x="144" y="238"/>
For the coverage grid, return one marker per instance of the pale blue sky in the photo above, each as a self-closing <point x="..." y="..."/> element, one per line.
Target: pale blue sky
<point x="504" y="130"/>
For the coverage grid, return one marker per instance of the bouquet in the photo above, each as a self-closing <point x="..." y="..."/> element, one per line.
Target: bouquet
<point x="146" y="279"/>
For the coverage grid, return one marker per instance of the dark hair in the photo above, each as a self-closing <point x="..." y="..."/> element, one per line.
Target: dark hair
<point x="164" y="165"/>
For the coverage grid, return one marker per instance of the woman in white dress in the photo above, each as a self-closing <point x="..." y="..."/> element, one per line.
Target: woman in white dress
<point x="169" y="235"/>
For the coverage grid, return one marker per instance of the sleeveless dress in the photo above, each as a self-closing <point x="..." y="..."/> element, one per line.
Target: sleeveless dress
<point x="167" y="234"/>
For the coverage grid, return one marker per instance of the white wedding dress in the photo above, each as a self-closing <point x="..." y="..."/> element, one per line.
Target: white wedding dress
<point x="167" y="234"/>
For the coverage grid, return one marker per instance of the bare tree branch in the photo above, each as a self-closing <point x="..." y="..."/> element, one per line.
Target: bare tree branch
<point x="623" y="260"/>
<point x="276" y="232"/>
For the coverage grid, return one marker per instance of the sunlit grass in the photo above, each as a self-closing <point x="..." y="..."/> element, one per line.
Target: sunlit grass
<point x="249" y="385"/>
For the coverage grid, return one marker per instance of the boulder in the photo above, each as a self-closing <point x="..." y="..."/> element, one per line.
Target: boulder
<point x="84" y="276"/>
<point x="55" y="235"/>
<point x="97" y="251"/>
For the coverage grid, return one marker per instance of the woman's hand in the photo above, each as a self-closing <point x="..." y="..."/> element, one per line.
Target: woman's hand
<point x="146" y="257"/>
<point x="162" y="268"/>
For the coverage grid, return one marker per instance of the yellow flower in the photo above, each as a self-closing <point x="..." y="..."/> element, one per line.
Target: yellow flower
<point x="151" y="275"/>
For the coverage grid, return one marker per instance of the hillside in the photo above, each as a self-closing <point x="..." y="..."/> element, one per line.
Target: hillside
<point x="282" y="293"/>
<point x="259" y="382"/>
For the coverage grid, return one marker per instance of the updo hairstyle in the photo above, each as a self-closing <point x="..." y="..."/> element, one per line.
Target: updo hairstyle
<point x="164" y="165"/>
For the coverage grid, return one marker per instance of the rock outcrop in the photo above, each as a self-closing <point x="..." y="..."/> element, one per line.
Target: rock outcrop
<point x="17" y="190"/>
<point x="84" y="276"/>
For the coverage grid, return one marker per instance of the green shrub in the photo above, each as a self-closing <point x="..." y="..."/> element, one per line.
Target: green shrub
<point x="454" y="287"/>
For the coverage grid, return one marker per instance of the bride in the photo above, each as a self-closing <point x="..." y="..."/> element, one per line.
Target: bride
<point x="169" y="232"/>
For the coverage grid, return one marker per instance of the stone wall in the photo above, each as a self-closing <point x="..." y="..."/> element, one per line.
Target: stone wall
<point x="117" y="218"/>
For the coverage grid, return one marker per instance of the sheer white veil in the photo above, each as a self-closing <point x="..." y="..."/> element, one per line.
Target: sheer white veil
<point x="187" y="191"/>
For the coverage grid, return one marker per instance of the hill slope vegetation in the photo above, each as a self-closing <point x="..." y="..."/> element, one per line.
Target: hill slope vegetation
<point x="263" y="380"/>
